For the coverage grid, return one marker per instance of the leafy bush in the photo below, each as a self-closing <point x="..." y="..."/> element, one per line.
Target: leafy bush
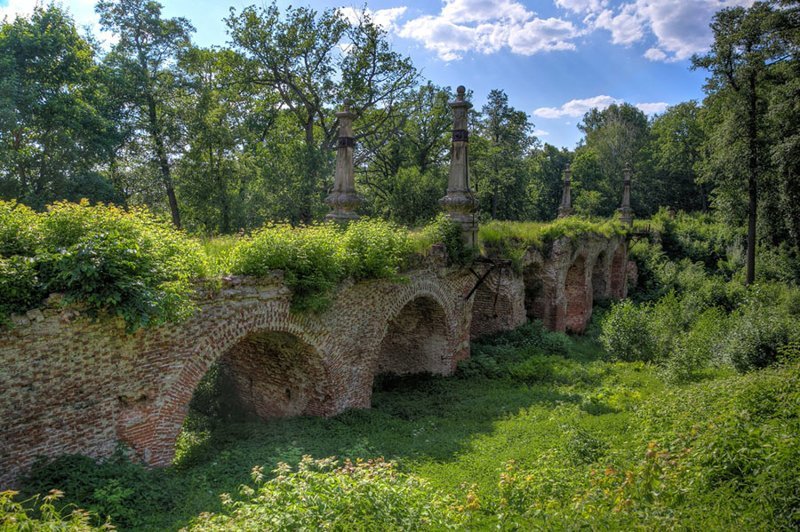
<point x="316" y="258"/>
<point x="323" y="495"/>
<point x="114" y="488"/>
<point x="311" y="258"/>
<point x="36" y="514"/>
<point x="698" y="348"/>
<point x="19" y="230"/>
<point x="757" y="333"/>
<point x="374" y="249"/>
<point x="112" y="261"/>
<point x="445" y="231"/>
<point x="626" y="333"/>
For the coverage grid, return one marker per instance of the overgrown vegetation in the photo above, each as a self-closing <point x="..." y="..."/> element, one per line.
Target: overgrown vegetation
<point x="131" y="264"/>
<point x="113" y="261"/>
<point x="693" y="311"/>
<point x="513" y="239"/>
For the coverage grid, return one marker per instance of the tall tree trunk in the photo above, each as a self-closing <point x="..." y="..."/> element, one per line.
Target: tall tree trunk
<point x="163" y="161"/>
<point x="752" y="179"/>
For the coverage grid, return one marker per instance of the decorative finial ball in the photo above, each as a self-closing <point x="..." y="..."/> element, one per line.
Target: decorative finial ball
<point x="346" y="104"/>
<point x="461" y="90"/>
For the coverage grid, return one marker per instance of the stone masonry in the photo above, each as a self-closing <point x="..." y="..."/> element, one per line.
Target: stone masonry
<point x="72" y="385"/>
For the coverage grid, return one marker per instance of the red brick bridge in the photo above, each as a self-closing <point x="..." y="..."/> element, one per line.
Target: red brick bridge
<point x="73" y="385"/>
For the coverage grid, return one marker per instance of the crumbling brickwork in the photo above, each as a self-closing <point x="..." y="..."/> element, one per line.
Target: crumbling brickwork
<point x="72" y="385"/>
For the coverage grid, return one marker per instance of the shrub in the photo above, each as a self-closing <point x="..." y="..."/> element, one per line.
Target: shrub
<point x="323" y="495"/>
<point x="20" y="288"/>
<point x="445" y="231"/>
<point x="756" y="334"/>
<point x="121" y="262"/>
<point x="111" y="261"/>
<point x="374" y="249"/>
<point x="115" y="487"/>
<point x="626" y="333"/>
<point x="41" y="514"/>
<point x="697" y="349"/>
<point x="19" y="230"/>
<point x="309" y="256"/>
<point x="316" y="258"/>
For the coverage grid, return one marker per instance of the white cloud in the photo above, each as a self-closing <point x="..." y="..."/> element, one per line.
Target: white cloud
<point x="582" y="6"/>
<point x="488" y="26"/>
<point x="652" y="108"/>
<point x="579" y="107"/>
<point x="540" y="132"/>
<point x="385" y="18"/>
<point x="576" y="108"/>
<point x="680" y="28"/>
<point x="626" y="27"/>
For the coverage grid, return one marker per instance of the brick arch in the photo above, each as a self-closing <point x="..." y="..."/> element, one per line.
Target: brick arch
<point x="578" y="295"/>
<point x="420" y="320"/>
<point x="618" y="272"/>
<point x="416" y="340"/>
<point x="267" y="331"/>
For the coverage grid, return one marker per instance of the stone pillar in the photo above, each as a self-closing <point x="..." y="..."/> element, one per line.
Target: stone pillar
<point x="625" y="211"/>
<point x="565" y="209"/>
<point x="343" y="199"/>
<point x="459" y="203"/>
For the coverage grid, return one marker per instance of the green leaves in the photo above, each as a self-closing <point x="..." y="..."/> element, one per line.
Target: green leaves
<point x="124" y="263"/>
<point x="316" y="258"/>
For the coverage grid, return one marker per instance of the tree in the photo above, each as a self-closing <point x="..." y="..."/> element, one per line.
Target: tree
<point x="745" y="45"/>
<point x="56" y="129"/>
<point x="675" y="149"/>
<point x="616" y="136"/>
<point x="405" y="175"/>
<point x="546" y="186"/>
<point x="144" y="56"/>
<point x="315" y="61"/>
<point x="502" y="141"/>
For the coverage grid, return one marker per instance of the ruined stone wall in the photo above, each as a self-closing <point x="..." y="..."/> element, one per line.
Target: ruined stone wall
<point x="72" y="385"/>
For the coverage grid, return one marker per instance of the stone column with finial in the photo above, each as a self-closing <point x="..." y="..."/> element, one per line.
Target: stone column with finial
<point x="343" y="199"/>
<point x="625" y="211"/>
<point x="459" y="203"/>
<point x="565" y="209"/>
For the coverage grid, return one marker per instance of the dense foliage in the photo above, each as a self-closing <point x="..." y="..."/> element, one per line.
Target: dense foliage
<point x="315" y="259"/>
<point x="42" y="513"/>
<point x="322" y="494"/>
<point x="513" y="239"/>
<point x="694" y="311"/>
<point x="109" y="260"/>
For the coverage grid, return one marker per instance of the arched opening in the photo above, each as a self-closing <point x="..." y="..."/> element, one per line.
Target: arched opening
<point x="578" y="297"/>
<point x="415" y="341"/>
<point x="266" y="375"/>
<point x="618" y="272"/>
<point x="497" y="305"/>
<point x="600" y="278"/>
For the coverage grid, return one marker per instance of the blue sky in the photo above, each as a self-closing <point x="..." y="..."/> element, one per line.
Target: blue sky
<point x="555" y="59"/>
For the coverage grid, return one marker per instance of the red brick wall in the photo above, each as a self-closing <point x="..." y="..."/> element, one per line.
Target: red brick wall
<point x="71" y="385"/>
<point x="498" y="304"/>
